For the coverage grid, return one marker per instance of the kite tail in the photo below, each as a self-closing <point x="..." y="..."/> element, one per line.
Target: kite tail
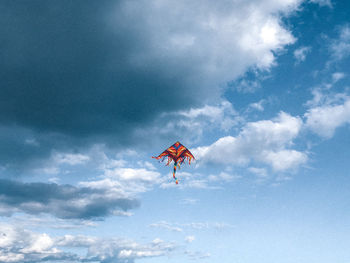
<point x="176" y="181"/>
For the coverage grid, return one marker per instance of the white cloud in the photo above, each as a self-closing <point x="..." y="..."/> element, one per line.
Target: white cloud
<point x="265" y="141"/>
<point x="219" y="39"/>
<point x="285" y="159"/>
<point x="20" y="245"/>
<point x="247" y="86"/>
<point x="180" y="227"/>
<point x="329" y="115"/>
<point x="166" y="225"/>
<point x="340" y="48"/>
<point x="191" y="125"/>
<point x="190" y="239"/>
<point x="300" y="53"/>
<point x="119" y="176"/>
<point x="257" y="105"/>
<point x="337" y="76"/>
<point x="58" y="159"/>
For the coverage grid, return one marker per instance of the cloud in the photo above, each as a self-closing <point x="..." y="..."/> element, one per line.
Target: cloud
<point x="179" y="227"/>
<point x="246" y="85"/>
<point x="197" y="255"/>
<point x="71" y="159"/>
<point x="340" y="47"/>
<point x="328" y="113"/>
<point x="265" y="141"/>
<point x="166" y="225"/>
<point x="300" y="53"/>
<point x="336" y="76"/>
<point x="90" y="73"/>
<point x="257" y="105"/>
<point x="21" y="245"/>
<point x="191" y="125"/>
<point x="323" y="2"/>
<point x="63" y="201"/>
<point x="129" y="181"/>
<point x="115" y="250"/>
<point x="190" y="239"/>
<point x="47" y="221"/>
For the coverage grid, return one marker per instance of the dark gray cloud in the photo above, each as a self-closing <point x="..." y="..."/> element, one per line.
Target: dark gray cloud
<point x="79" y="72"/>
<point x="70" y="71"/>
<point x="63" y="201"/>
<point x="67" y="66"/>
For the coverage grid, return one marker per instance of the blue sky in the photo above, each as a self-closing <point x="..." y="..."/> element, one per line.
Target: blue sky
<point x="257" y="90"/>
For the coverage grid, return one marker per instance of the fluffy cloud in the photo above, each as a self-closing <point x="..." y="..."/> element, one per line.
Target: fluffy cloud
<point x="328" y="113"/>
<point x="265" y="141"/>
<point x="20" y="245"/>
<point x="117" y="176"/>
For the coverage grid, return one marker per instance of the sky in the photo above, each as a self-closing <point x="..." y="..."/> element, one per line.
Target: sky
<point x="257" y="90"/>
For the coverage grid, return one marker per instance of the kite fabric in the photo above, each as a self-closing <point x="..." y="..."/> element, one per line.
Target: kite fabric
<point x="177" y="153"/>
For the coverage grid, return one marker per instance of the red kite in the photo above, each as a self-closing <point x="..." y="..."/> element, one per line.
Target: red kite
<point x="177" y="153"/>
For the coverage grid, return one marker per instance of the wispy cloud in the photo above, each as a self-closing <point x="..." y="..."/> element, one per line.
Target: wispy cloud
<point x="323" y="2"/>
<point x="340" y="47"/>
<point x="300" y="54"/>
<point x="180" y="227"/>
<point x="196" y="255"/>
<point x="166" y="225"/>
<point x="190" y="239"/>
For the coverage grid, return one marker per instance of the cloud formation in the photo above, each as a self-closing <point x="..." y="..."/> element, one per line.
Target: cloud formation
<point x="340" y="47"/>
<point x="63" y="201"/>
<point x="82" y="70"/>
<point x="266" y="141"/>
<point x="300" y="54"/>
<point x="327" y="112"/>
<point x="21" y="245"/>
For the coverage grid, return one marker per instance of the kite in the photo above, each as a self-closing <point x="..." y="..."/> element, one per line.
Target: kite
<point x="177" y="153"/>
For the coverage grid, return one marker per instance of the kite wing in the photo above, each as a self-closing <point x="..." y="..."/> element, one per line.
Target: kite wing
<point x="176" y="153"/>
